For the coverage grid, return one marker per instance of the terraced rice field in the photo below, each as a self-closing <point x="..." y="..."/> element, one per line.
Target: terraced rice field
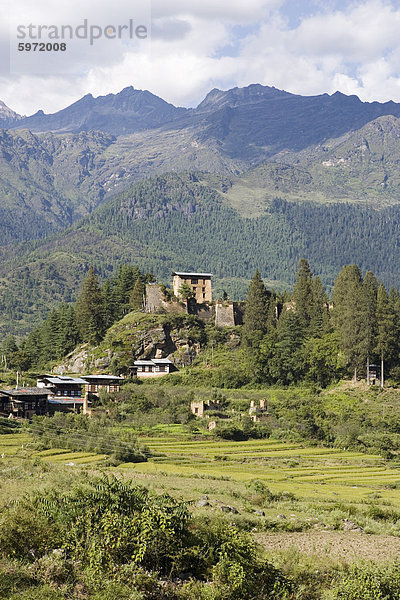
<point x="307" y="472"/>
<point x="14" y="446"/>
<point x="304" y="471"/>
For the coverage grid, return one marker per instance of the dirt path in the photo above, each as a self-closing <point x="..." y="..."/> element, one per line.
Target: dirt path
<point x="348" y="546"/>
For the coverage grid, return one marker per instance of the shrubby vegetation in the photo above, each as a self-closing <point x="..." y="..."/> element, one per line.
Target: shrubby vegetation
<point x="99" y="537"/>
<point x="105" y="534"/>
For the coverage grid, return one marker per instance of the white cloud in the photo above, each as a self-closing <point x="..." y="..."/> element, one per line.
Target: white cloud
<point x="226" y="10"/>
<point x="355" y="49"/>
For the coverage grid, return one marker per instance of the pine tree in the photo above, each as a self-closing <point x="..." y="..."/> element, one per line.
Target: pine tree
<point x="370" y="286"/>
<point x="385" y="339"/>
<point x="9" y="351"/>
<point x="89" y="309"/>
<point x="69" y="336"/>
<point x="185" y="291"/>
<point x="122" y="287"/>
<point x="255" y="322"/>
<point x="286" y="364"/>
<point x="109" y="304"/>
<point x="303" y="294"/>
<point x="350" y="315"/>
<point x="51" y="338"/>
<point x="32" y="345"/>
<point x="394" y="302"/>
<point x="319" y="310"/>
<point x="136" y="299"/>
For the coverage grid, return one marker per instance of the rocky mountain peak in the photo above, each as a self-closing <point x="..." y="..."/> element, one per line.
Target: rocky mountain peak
<point x="239" y="96"/>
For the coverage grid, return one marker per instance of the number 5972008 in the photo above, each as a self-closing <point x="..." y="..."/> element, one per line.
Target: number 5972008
<point x="42" y="47"/>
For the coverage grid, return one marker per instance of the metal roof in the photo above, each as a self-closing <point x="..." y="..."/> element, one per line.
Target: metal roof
<point x="162" y="361"/>
<point x="193" y="274"/>
<point x="153" y="361"/>
<point x="62" y="380"/>
<point x="143" y="362"/>
<point x="105" y="377"/>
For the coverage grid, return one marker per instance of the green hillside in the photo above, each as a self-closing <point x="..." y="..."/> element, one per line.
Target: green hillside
<point x="178" y="222"/>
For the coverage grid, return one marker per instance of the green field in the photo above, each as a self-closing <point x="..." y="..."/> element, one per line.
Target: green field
<point x="16" y="446"/>
<point x="305" y="471"/>
<point x="296" y="500"/>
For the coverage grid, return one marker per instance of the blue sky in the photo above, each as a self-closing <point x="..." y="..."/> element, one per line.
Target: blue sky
<point x="305" y="47"/>
<point x="295" y="11"/>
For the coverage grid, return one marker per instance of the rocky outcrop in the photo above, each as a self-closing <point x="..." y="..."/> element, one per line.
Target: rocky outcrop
<point x="139" y="336"/>
<point x="83" y="360"/>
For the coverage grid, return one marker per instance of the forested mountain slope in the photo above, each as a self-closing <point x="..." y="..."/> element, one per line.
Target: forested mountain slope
<point x="48" y="181"/>
<point x="179" y="222"/>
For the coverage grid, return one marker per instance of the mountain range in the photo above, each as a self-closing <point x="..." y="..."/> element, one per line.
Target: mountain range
<point x="129" y="176"/>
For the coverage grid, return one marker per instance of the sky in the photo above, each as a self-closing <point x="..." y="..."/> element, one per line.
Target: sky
<point x="302" y="46"/>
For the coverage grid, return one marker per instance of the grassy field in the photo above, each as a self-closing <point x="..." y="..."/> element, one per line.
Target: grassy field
<point x="294" y="498"/>
<point x="306" y="472"/>
<point x="16" y="446"/>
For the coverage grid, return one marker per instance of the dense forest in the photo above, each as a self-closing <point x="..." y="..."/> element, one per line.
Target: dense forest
<point x="317" y="338"/>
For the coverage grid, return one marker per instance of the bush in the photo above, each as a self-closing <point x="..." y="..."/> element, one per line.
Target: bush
<point x="120" y="535"/>
<point x="26" y="534"/>
<point x="14" y="577"/>
<point x="370" y="582"/>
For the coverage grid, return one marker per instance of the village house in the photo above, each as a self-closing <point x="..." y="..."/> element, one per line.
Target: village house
<point x="67" y="404"/>
<point x="64" y="392"/>
<point x="23" y="403"/>
<point x="199" y="282"/>
<point x="60" y="385"/>
<point x="108" y="383"/>
<point x="152" y="367"/>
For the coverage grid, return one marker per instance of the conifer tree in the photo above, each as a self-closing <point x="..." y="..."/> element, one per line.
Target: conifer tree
<point x="122" y="287"/>
<point x="51" y="338"/>
<point x="185" y="291"/>
<point x="136" y="299"/>
<point x="32" y="345"/>
<point x="303" y="294"/>
<point x="350" y="315"/>
<point x="394" y="302"/>
<point x="370" y="287"/>
<point x="69" y="334"/>
<point x="385" y="339"/>
<point x="89" y="309"/>
<point x="286" y="364"/>
<point x="109" y="304"/>
<point x="255" y="322"/>
<point x="319" y="310"/>
<point x="272" y="319"/>
<point x="9" y="351"/>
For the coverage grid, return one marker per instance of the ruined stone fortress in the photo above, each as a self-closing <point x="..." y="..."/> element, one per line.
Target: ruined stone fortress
<point x="224" y="313"/>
